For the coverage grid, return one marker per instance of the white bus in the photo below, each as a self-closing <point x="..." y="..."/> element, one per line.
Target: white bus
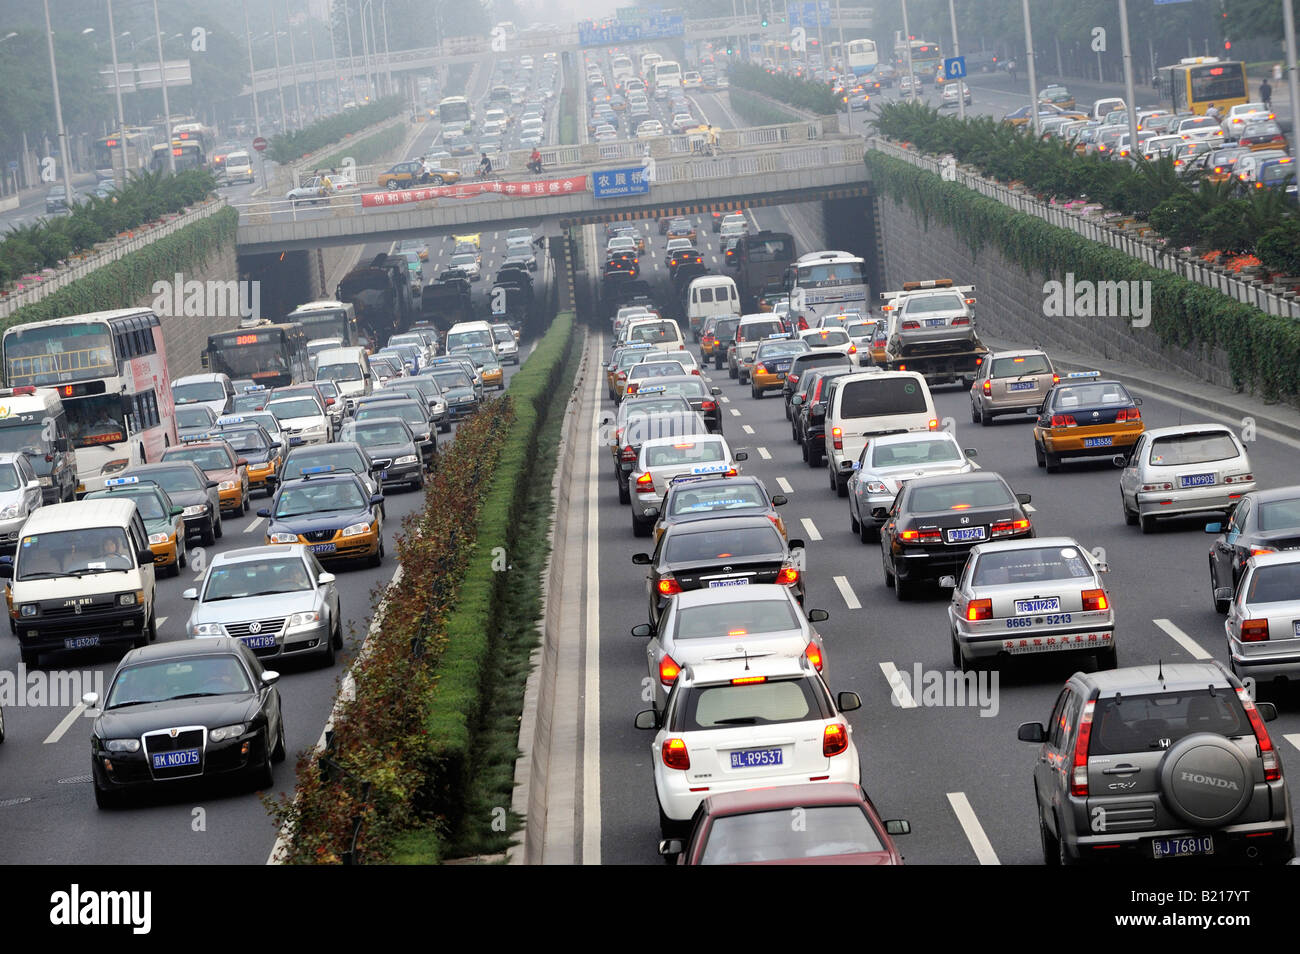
<point x="667" y="74"/>
<point x="862" y="57"/>
<point x="648" y="61"/>
<point x="825" y="283"/>
<point x="109" y="369"/>
<point x="622" y="68"/>
<point x="454" y="113"/>
<point x="34" y="424"/>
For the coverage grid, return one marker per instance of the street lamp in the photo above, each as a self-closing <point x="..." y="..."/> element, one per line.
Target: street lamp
<point x="58" y="110"/>
<point x="293" y="60"/>
<point x="162" y="84"/>
<point x="252" y="76"/>
<point x="275" y="30"/>
<point x="117" y="88"/>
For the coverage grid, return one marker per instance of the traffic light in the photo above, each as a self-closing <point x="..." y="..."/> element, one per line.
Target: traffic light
<point x="764" y="21"/>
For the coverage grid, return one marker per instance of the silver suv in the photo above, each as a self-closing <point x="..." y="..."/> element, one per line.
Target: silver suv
<point x="1159" y="762"/>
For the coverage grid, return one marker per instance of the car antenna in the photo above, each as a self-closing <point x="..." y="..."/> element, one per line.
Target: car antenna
<point x="1160" y="672"/>
<point x="746" y="652"/>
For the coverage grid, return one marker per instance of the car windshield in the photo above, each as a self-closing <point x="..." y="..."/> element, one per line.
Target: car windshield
<point x="655" y="369"/>
<point x="376" y="432"/>
<point x="339" y="372"/>
<point x="654" y="331"/>
<point x="162" y="681"/>
<point x="780" y="349"/>
<point x="451" y="379"/>
<point x="147" y="503"/>
<point x="74" y="553"/>
<point x="1018" y="366"/>
<point x="929" y="304"/>
<point x="691" y="500"/>
<point x="1092" y="395"/>
<point x="735" y="619"/>
<point x="1179" y="449"/>
<point x="208" y="458"/>
<point x="199" y="391"/>
<point x="633" y="407"/>
<point x="755" y="330"/>
<point x="319" y="497"/>
<point x="9" y="479"/>
<point x="769" y="836"/>
<point x="760" y="703"/>
<point x="1154" y="723"/>
<point x="711" y="545"/>
<point x="914" y="453"/>
<point x="233" y="581"/>
<point x="340" y="459"/>
<point x="636" y="355"/>
<point x="294" y="407"/>
<point x="960" y="496"/>
<point x="244" y="440"/>
<point x="1036" y="565"/>
<point x="200" y="416"/>
<point x="871" y="398"/>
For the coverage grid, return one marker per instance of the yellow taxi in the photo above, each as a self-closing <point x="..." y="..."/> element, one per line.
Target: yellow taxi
<point x="474" y="239"/>
<point x="330" y="512"/>
<point x="771" y="363"/>
<point x="254" y="445"/>
<point x="1084" y="416"/>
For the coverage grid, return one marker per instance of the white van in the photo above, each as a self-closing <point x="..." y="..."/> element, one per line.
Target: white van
<point x="211" y="389"/>
<point x="33" y="423"/>
<point x="239" y="168"/>
<point x="349" y="369"/>
<point x="663" y="333"/>
<point x="710" y="295"/>
<point x="82" y="577"/>
<point x="469" y="334"/>
<point x="870" y="403"/>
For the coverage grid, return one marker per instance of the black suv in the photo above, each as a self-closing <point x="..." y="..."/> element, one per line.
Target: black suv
<point x="1159" y="762"/>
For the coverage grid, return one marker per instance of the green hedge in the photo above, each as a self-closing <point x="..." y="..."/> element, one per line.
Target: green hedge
<point x="291" y="146"/>
<point x="1263" y="350"/>
<point x="806" y="94"/>
<point x="129" y="280"/>
<point x="372" y="148"/>
<point x="757" y="111"/>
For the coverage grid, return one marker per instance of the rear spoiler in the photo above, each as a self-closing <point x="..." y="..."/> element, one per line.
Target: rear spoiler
<point x="925" y="286"/>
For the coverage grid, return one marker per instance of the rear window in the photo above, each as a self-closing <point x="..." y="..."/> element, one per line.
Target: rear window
<point x="1274" y="584"/>
<point x="779" y="349"/>
<point x="735" y="619"/>
<point x="928" y="304"/>
<point x="755" y="330"/>
<point x="815" y="360"/>
<point x="1037" y="565"/>
<point x="1279" y="514"/>
<point x="704" y="294"/>
<point x="1181" y="449"/>
<point x="646" y="428"/>
<point x="1015" y="367"/>
<point x="710" y="499"/>
<point x="1093" y="395"/>
<point x="688" y="387"/>
<point x="829" y="336"/>
<point x="654" y="331"/>
<point x="883" y="396"/>
<point x="718" y="545"/>
<point x="686" y="453"/>
<point x="861" y="329"/>
<point x="762" y="703"/>
<point x="629" y="358"/>
<point x="977" y="494"/>
<point x="1155" y="722"/>
<point x="769" y="836"/>
<point x="915" y="453"/>
<point x="655" y="369"/>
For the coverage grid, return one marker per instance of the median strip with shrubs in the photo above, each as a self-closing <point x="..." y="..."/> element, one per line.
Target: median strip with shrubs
<point x="290" y="146"/>
<point x="809" y="95"/>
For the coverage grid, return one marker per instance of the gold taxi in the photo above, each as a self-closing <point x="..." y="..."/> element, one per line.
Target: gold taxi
<point x="217" y="459"/>
<point x="1084" y="416"/>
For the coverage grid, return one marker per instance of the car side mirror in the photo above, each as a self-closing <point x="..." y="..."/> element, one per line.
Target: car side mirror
<point x="740" y="457"/>
<point x="144" y="556"/>
<point x="1137" y="401"/>
<point x="898" y="826"/>
<point x="90" y="700"/>
<point x="1024" y="498"/>
<point x="1031" y="732"/>
<point x="641" y="559"/>
<point x="1267" y="710"/>
<point x="325" y="578"/>
<point x="715" y="391"/>
<point x="796" y="400"/>
<point x="670" y="848"/>
<point x="971" y="452"/>
<point x="642" y="629"/>
<point x="818" y="616"/>
<point x="948" y="582"/>
<point x="1033" y="411"/>
<point x="652" y="512"/>
<point x="270" y="677"/>
<point x="264" y="512"/>
<point x="190" y="594"/>
<point x="857" y="465"/>
<point x="176" y="511"/>
<point x="33" y="485"/>
<point x="1214" y="528"/>
<point x="847" y="701"/>
<point x="1221" y="593"/>
<point x="779" y="500"/>
<point x="1119" y="460"/>
<point x="376" y="499"/>
<point x="242" y="462"/>
<point x="647" y="719"/>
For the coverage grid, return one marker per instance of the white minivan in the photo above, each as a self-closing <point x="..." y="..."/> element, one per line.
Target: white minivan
<point x="869" y="403"/>
<point x="349" y="369"/>
<point x="710" y="295"/>
<point x="82" y="577"/>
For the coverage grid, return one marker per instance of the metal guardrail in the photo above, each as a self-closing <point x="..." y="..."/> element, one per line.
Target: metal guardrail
<point x="1247" y="292"/>
<point x="109" y="252"/>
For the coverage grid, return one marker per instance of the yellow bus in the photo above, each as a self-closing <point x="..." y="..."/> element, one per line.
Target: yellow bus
<point x="1199" y="81"/>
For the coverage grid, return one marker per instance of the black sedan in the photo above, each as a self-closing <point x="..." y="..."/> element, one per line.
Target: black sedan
<point x="703" y="398"/>
<point x="936" y="520"/>
<point x="1263" y="522"/>
<point x="390" y="445"/>
<point x="725" y="551"/>
<point x="414" y="413"/>
<point x="214" y="689"/>
<point x="809" y="413"/>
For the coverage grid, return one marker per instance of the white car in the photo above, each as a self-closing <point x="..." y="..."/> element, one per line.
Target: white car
<point x="1263" y="635"/>
<point x="891" y="460"/>
<point x="468" y="263"/>
<point x="949" y="95"/>
<point x="621" y="243"/>
<point x="664" y="458"/>
<point x="1199" y="129"/>
<point x="729" y="726"/>
<point x="692" y="80"/>
<point x="1242" y="114"/>
<point x="1181" y="470"/>
<point x="302" y="420"/>
<point x="649" y="129"/>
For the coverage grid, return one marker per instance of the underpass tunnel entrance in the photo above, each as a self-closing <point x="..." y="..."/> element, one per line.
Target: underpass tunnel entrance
<point x="851" y="224"/>
<point x="287" y="279"/>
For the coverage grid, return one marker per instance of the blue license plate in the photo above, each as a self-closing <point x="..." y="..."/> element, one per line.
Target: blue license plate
<point x="965" y="534"/>
<point x="936" y="322"/>
<point x="1098" y="441"/>
<point x="80" y="642"/>
<point x="1022" y="386"/>
<point x="258" y="642"/>
<point x="1182" y="847"/>
<point x="321" y="547"/>
<point x="294" y="441"/>
<point x="1196" y="480"/>
<point x="178" y="759"/>
<point x="755" y="758"/>
<point x="383" y="475"/>
<point x="783" y="366"/>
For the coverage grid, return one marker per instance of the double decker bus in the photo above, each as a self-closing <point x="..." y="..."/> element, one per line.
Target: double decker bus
<point x="760" y="261"/>
<point x="327" y="319"/>
<point x="862" y="56"/>
<point x="272" y="355"/>
<point x="1198" y="81"/>
<point x="826" y="283"/>
<point x="109" y="369"/>
<point x="454" y="113"/>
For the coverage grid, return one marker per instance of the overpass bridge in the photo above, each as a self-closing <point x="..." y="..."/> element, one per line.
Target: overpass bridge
<point x="456" y="49"/>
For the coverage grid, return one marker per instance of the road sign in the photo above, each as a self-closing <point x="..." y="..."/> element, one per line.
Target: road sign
<point x="612" y="183"/>
<point x="13" y="165"/>
<point x="259" y="144"/>
<point x="815" y="13"/>
<point x="954" y="67"/>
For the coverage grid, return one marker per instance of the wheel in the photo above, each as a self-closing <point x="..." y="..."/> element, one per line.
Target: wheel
<point x="437" y="180"/>
<point x="985" y="418"/>
<point x="105" y="799"/>
<point x="1131" y="518"/>
<point x="264" y="774"/>
<point x="392" y="185"/>
<point x="1052" y="463"/>
<point x="640" y="529"/>
<point x="889" y="576"/>
<point x="866" y="532"/>
<point x="717" y="364"/>
<point x="1148" y="523"/>
<point x="378" y="558"/>
<point x="830" y="475"/>
<point x="841" y="486"/>
<point x="239" y="508"/>
<point x="337" y="635"/>
<point x="854" y="525"/>
<point x="218" y="531"/>
<point x="29" y="657"/>
<point x="742" y="377"/>
<point x="1051" y="850"/>
<point x="1038" y="454"/>
<point x="754" y="392"/>
<point x="903" y="589"/>
<point x="208" y="535"/>
<point x="419" y="484"/>
<point x="814" y="454"/>
<point x="624" y="492"/>
<point x="731" y="372"/>
<point x="794" y="434"/>
<point x="974" y="413"/>
<point x="1220" y="606"/>
<point x="1108" y="658"/>
<point x="279" y="752"/>
<point x="327" y="662"/>
<point x="1062" y="856"/>
<point x="2" y="725"/>
<point x="957" y="661"/>
<point x="152" y="631"/>
<point x="182" y="553"/>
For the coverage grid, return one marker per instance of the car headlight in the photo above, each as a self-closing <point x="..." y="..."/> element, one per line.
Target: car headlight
<point x="283" y="537"/>
<point x="160" y="538"/>
<point x="466" y="399"/>
<point x="195" y="511"/>
<point x="206" y="629"/>
<point x="228" y="485"/>
<point x="29" y="609"/>
<point x="13" y="510"/>
<point x="122" y="745"/>
<point x="408" y="459"/>
<point x="298" y="620"/>
<point x="130" y="599"/>
<point x="356" y="529"/>
<point x="46" y="481"/>
<point x="227" y="732"/>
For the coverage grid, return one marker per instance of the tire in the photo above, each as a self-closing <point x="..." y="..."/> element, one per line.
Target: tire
<point x="337" y="635"/>
<point x="2" y="725"/>
<point x="1052" y="463"/>
<point x="30" y="657"/>
<point x="217" y="532"/>
<point x="419" y="484"/>
<point x="106" y="800"/>
<point x="640" y="529"/>
<point x="1038" y="454"/>
<point x="239" y="510"/>
<point x="1148" y="523"/>
<point x="152" y="631"/>
<point x="904" y="589"/>
<point x="1051" y="848"/>
<point x="841" y="486"/>
<point x="803" y="448"/>
<point x="624" y="492"/>
<point x="1130" y="518"/>
<point x="731" y="372"/>
<point x="378" y="558"/>
<point x="755" y="393"/>
<point x="957" y="661"/>
<point x="327" y="662"/>
<point x="854" y="525"/>
<point x="974" y="414"/>
<point x="1220" y="606"/>
<point x="208" y="535"/>
<point x="717" y="364"/>
<point x="437" y="180"/>
<point x="815" y="455"/>
<point x="392" y="185"/>
<point x="264" y="775"/>
<point x="866" y="532"/>
<point x="985" y="419"/>
<point x="1108" y="658"/>
<point x="890" y="580"/>
<point x="279" y="752"/>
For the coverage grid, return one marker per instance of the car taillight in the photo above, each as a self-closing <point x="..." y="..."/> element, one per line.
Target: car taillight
<point x="694" y="370"/>
<point x="1272" y="767"/>
<point x="788" y="576"/>
<point x="835" y="739"/>
<point x="988" y="387"/>
<point x="1094" y="600"/>
<point x="837" y="438"/>
<point x="1056" y="379"/>
<point x="853" y="349"/>
<point x="934" y="424"/>
<point x="961" y="321"/>
<point x="765" y="368"/>
<point x="911" y="325"/>
<point x="622" y="376"/>
<point x="675" y="755"/>
<point x="1256" y="551"/>
<point x="1064" y="420"/>
<point x="1008" y="528"/>
<point x="631" y="387"/>
<point x="1254" y="631"/>
<point x="922" y="536"/>
<point x="1079" y="775"/>
<point x="1150" y="487"/>
<point x="1128" y="415"/>
<point x="629" y="454"/>
<point x="1239" y="478"/>
<point x="814" y="654"/>
<point x="645" y="484"/>
<point x="979" y="609"/>
<point x="708" y="405"/>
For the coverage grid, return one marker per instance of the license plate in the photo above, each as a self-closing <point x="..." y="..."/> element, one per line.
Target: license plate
<point x="1047" y="644"/>
<point x="1022" y="386"/>
<point x="709" y="469"/>
<point x="383" y="475"/>
<point x="178" y="759"/>
<point x="1098" y="441"/>
<point x="742" y="581"/>
<point x="783" y="366"/>
<point x="1196" y="480"/>
<point x="935" y="322"/>
<point x="1049" y="605"/>
<point x="963" y="534"/>
<point x="258" y="642"/>
<point x="755" y="758"/>
<point x="321" y="547"/>
<point x="80" y="642"/>
<point x="1182" y="847"/>
<point x="294" y="441"/>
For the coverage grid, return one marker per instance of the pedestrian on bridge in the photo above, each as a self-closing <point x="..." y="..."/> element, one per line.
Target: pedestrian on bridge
<point x="1266" y="94"/>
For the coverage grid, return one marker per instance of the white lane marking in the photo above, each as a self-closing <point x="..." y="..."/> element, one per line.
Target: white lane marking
<point x="590" y="755"/>
<point x="59" y="730"/>
<point x="810" y="528"/>
<point x="725" y="399"/>
<point x="160" y="620"/>
<point x="1030" y="508"/>
<point x="748" y="429"/>
<point x="784" y="485"/>
<point x="898" y="686"/>
<point x="979" y="841"/>
<point x="846" y="591"/>
<point x="1182" y="639"/>
<point x="715" y="259"/>
<point x="254" y="524"/>
<point x="734" y="412"/>
<point x="764" y="453"/>
<point x="1294" y="739"/>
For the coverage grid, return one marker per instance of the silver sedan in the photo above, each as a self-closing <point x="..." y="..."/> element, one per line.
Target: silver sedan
<point x="888" y="462"/>
<point x="1191" y="469"/>
<point x="1029" y="596"/>
<point x="728" y="623"/>
<point x="1263" y="624"/>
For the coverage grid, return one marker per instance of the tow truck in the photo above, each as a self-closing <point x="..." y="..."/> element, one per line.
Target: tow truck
<point x="931" y="330"/>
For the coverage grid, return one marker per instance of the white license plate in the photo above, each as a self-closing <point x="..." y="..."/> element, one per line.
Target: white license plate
<point x="965" y="534"/>
<point x="1049" y="605"/>
<point x="1182" y="847"/>
<point x="1196" y="480"/>
<point x="1022" y="386"/>
<point x="741" y="581"/>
